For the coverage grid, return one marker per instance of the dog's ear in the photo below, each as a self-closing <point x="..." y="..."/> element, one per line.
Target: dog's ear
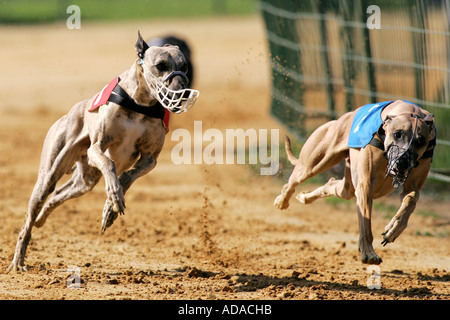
<point x="141" y="46"/>
<point x="171" y="45"/>
<point x="388" y="119"/>
<point x="429" y="120"/>
<point x="381" y="130"/>
<point x="381" y="133"/>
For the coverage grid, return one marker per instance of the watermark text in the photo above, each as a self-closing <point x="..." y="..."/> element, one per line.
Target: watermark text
<point x="374" y="279"/>
<point x="74" y="20"/>
<point x="235" y="146"/>
<point x="374" y="20"/>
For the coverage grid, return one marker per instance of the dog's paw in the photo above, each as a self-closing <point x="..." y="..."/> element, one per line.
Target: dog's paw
<point x="117" y="203"/>
<point x="301" y="197"/>
<point x="370" y="258"/>
<point x="110" y="214"/>
<point x="16" y="267"/>
<point x="281" y="203"/>
<point x="388" y="237"/>
<point x="368" y="255"/>
<point x="115" y="197"/>
<point x="392" y="231"/>
<point x="108" y="220"/>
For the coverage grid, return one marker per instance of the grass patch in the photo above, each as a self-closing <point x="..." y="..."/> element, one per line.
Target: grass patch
<point x="388" y="209"/>
<point x="44" y="11"/>
<point x="427" y="213"/>
<point x="443" y="233"/>
<point x="341" y="204"/>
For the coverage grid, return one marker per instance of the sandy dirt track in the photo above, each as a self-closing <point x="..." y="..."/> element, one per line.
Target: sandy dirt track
<point x="189" y="231"/>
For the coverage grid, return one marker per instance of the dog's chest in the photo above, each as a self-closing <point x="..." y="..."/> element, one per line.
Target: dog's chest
<point x="133" y="136"/>
<point x="132" y="133"/>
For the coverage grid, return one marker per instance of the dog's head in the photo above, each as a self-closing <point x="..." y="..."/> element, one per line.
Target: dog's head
<point x="164" y="70"/>
<point x="407" y="137"/>
<point x="184" y="48"/>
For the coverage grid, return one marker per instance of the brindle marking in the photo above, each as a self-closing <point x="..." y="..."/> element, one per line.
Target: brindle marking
<point x="112" y="142"/>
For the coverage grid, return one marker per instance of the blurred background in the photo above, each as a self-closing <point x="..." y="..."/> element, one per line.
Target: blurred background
<point x="320" y="57"/>
<point x="30" y="11"/>
<point x="289" y="65"/>
<point x="329" y="57"/>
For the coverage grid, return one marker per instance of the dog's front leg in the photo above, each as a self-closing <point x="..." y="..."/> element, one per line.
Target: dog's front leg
<point x="399" y="222"/>
<point x="144" y="165"/>
<point x="114" y="192"/>
<point x="361" y="163"/>
<point x="364" y="208"/>
<point x="409" y="197"/>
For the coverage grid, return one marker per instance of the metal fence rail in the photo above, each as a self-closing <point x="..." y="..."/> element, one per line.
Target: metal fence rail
<point x="332" y="56"/>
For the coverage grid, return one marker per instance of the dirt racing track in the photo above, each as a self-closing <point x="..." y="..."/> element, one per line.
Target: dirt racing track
<point x="189" y="231"/>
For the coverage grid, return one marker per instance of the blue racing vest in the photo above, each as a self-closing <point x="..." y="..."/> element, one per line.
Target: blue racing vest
<point x="366" y="122"/>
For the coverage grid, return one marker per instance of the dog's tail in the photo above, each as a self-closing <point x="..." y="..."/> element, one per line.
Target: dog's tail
<point x="290" y="155"/>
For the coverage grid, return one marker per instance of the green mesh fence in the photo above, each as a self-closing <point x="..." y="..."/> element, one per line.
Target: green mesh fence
<point x="333" y="56"/>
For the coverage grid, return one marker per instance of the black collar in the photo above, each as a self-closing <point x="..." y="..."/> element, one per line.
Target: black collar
<point x="123" y="99"/>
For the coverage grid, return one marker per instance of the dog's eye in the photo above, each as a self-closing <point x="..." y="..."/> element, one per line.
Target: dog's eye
<point x="398" y="134"/>
<point x="162" y="66"/>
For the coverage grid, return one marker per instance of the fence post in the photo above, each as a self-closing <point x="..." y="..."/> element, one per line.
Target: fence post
<point x="324" y="53"/>
<point x="418" y="14"/>
<point x="371" y="81"/>
<point x="347" y="36"/>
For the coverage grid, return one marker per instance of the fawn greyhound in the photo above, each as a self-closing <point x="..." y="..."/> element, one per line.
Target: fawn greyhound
<point x="393" y="149"/>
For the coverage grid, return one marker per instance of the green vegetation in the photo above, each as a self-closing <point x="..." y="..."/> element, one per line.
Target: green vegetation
<point x="388" y="210"/>
<point x="444" y="233"/>
<point x="43" y="11"/>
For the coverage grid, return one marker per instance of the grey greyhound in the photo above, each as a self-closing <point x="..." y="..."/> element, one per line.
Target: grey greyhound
<point x="117" y="134"/>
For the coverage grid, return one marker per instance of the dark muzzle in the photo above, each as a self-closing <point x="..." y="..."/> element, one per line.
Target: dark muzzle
<point x="400" y="163"/>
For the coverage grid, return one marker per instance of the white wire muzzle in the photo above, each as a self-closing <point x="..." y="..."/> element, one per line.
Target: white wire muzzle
<point x="175" y="101"/>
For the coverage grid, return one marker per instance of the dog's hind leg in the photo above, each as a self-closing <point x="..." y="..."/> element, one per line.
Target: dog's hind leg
<point x="339" y="188"/>
<point x="302" y="173"/>
<point x="322" y="151"/>
<point x="44" y="186"/>
<point x="84" y="178"/>
<point x="298" y="176"/>
<point x="56" y="159"/>
<point x="39" y="195"/>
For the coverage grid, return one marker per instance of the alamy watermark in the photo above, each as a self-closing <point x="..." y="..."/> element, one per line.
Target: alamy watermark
<point x="73" y="281"/>
<point x="74" y="20"/>
<point x="374" y="20"/>
<point x="374" y="279"/>
<point x="230" y="147"/>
